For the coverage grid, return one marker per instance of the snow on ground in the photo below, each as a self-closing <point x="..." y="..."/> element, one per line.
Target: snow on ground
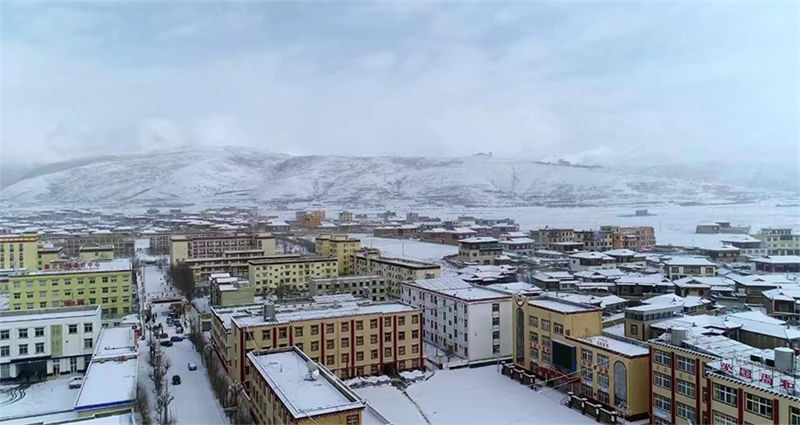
<point x="406" y="248"/>
<point x="392" y="404"/>
<point x="472" y="395"/>
<point x="194" y="401"/>
<point x="49" y="396"/>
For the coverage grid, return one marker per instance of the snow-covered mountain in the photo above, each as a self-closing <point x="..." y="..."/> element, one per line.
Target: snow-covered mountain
<point x="216" y="176"/>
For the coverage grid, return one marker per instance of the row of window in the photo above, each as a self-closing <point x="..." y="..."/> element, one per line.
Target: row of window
<point x="67" y="282"/>
<point x="681" y="386"/>
<point x="23" y="349"/>
<point x="39" y="331"/>
<point x="755" y="404"/>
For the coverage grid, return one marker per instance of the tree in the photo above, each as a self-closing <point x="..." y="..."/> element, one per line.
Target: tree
<point x="140" y="405"/>
<point x="182" y="279"/>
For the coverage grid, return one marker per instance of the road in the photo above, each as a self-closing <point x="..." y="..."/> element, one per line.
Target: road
<point x="194" y="401"/>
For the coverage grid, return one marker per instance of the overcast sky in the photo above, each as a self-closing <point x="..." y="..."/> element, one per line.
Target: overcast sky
<point x="587" y="81"/>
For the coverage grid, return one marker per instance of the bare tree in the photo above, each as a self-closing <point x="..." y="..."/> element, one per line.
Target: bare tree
<point x="140" y="405"/>
<point x="182" y="279"/>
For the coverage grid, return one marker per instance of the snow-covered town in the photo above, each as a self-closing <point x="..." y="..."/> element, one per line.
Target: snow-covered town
<point x="234" y="316"/>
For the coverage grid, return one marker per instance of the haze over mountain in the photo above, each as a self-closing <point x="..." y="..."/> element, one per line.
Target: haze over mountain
<point x="231" y="175"/>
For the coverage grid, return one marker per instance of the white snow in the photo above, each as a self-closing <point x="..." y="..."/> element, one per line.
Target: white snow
<point x="52" y="395"/>
<point x="110" y="382"/>
<point x="472" y="396"/>
<point x="405" y="248"/>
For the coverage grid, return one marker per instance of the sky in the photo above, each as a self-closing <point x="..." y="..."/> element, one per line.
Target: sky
<point x="587" y="81"/>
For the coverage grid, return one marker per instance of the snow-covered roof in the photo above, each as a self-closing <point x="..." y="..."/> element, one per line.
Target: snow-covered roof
<point x="115" y="342"/>
<point x="620" y="253"/>
<point x="591" y="255"/>
<point x="617" y="346"/>
<point x="517" y="241"/>
<point x="482" y="239"/>
<point x="117" y="264"/>
<point x="312" y="314"/>
<point x="49" y="313"/>
<point x="778" y="259"/>
<point x="561" y="306"/>
<point x="761" y="280"/>
<point x="514" y="287"/>
<point x="108" y="383"/>
<point x="688" y="301"/>
<point x="600" y="301"/>
<point x="286" y="373"/>
<point x="688" y="261"/>
<point x="440" y="283"/>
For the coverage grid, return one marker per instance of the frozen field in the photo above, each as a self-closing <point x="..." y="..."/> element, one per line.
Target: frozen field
<point x="471" y="396"/>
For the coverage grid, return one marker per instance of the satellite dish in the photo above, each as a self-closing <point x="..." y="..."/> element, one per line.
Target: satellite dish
<point x="313" y="370"/>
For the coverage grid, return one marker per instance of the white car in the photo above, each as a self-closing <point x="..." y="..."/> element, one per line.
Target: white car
<point x="76" y="381"/>
<point x="192" y="366"/>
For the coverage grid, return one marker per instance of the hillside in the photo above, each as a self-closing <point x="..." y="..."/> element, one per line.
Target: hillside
<point x="214" y="176"/>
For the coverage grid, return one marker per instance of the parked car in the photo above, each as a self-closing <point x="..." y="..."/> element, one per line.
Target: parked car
<point x="76" y="381"/>
<point x="192" y="366"/>
<point x="166" y="343"/>
<point x="176" y="379"/>
<point x="179" y="330"/>
<point x="176" y="338"/>
<point x="163" y="335"/>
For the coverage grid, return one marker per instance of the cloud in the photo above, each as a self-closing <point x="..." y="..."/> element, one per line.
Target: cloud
<point x="597" y="82"/>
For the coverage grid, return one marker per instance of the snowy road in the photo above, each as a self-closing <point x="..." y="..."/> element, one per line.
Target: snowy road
<point x="194" y="401"/>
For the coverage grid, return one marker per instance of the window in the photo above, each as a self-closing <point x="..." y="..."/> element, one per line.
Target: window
<point x="281" y="332"/>
<point x="330" y="360"/>
<point x="415" y="334"/>
<point x="586" y="356"/>
<point x="545" y="325"/>
<point x="87" y="343"/>
<point x="602" y="360"/>
<point x="387" y="337"/>
<point x="267" y="334"/>
<point x="401" y="336"/>
<point x="345" y="358"/>
<point x="401" y="350"/>
<point x="662" y="357"/>
<point x="5" y="351"/>
<point x="352" y="420"/>
<point x="373" y="339"/>
<point x="686" y="364"/>
<point x="359" y="340"/>
<point x="558" y="328"/>
<point x="330" y="344"/>
<point x="387" y="352"/>
<point x="314" y="329"/>
<point x="685" y="388"/>
<point x="387" y="321"/>
<point x="329" y="328"/>
<point x="588" y="376"/>
<point x="314" y="345"/>
<point x="22" y="333"/>
<point x="533" y="321"/>
<point x="4" y="334"/>
<point x="359" y="356"/>
<point x="725" y="394"/>
<point x="415" y="319"/>
<point x="758" y="405"/>
<point x="23" y="349"/>
<point x="634" y="329"/>
<point x="373" y="354"/>
<point x="662" y="403"/>
<point x="415" y="348"/>
<point x="534" y="338"/>
<point x="603" y="397"/>
<point x="373" y="323"/>
<point x="794" y="416"/>
<point x="345" y="327"/>
<point x="401" y="320"/>
<point x="39" y="348"/>
<point x="298" y="331"/>
<point x="73" y="329"/>
<point x="345" y="342"/>
<point x="38" y="331"/>
<point x="685" y="411"/>
<point x="723" y="419"/>
<point x="602" y="380"/>
<point x="662" y="380"/>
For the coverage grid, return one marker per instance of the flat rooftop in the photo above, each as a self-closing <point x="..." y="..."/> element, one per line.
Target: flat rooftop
<point x="287" y="373"/>
<point x="115" y="342"/>
<point x="92" y="266"/>
<point x="561" y="306"/>
<point x="283" y="260"/>
<point x="49" y="313"/>
<point x="312" y="314"/>
<point x="108" y="383"/>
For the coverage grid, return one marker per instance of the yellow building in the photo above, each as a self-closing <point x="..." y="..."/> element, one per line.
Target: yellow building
<point x="284" y="386"/>
<point x="213" y="245"/>
<point x="291" y="273"/>
<point x="107" y="283"/>
<point x="229" y="290"/>
<point x="561" y="342"/>
<point x="309" y="220"/>
<point x="89" y="253"/>
<point x="348" y="340"/>
<point x="368" y="261"/>
<point x="49" y="258"/>
<point x="236" y="263"/>
<point x="19" y="251"/>
<point x="341" y="247"/>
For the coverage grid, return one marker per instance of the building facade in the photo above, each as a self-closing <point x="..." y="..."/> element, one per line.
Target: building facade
<point x="290" y="273"/>
<point x="215" y="245"/>
<point x="18" y="251"/>
<point x="340" y="246"/>
<point x="480" y="250"/>
<point x="374" y="287"/>
<point x="780" y="241"/>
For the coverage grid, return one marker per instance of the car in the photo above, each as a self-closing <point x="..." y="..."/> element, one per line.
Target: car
<point x="76" y="381"/>
<point x="176" y="338"/>
<point x="179" y="330"/>
<point x="176" y="379"/>
<point x="166" y="343"/>
<point x="192" y="366"/>
<point x="163" y="335"/>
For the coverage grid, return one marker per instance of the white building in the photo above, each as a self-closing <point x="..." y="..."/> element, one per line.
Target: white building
<point x="679" y="267"/>
<point x="48" y="341"/>
<point x="518" y="246"/>
<point x="471" y="322"/>
<point x="479" y="250"/>
<point x="590" y="260"/>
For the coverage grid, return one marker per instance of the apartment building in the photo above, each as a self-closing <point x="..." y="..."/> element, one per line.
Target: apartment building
<point x="368" y="261"/>
<point x="636" y="238"/>
<point x="160" y="242"/>
<point x="581" y="261"/>
<point x="404" y="231"/>
<point x="595" y="240"/>
<point x="123" y="242"/>
<point x="680" y="267"/>
<point x="309" y="219"/>
<point x="780" y="241"/>
<point x="748" y="245"/>
<point x="230" y="290"/>
<point x="284" y="386"/>
<point x="518" y="246"/>
<point x="48" y="341"/>
<point x="471" y="322"/>
<point x="289" y="272"/>
<point x="350" y="340"/>
<point x="237" y="263"/>
<point x="101" y="252"/>
<point x="374" y="287"/>
<point x="340" y="246"/>
<point x="680" y="389"/>
<point x="18" y="251"/>
<point x="562" y="342"/>
<point x="778" y="264"/>
<point x="548" y="236"/>
<point x="185" y="247"/>
<point x="479" y="250"/>
<point x="49" y="257"/>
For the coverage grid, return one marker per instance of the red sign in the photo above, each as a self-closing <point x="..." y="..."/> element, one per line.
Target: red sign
<point x="747" y="373"/>
<point x="787" y="384"/>
<point x="767" y="379"/>
<point x="727" y="367"/>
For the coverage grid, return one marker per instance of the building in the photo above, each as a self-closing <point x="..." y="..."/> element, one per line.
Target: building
<point x="679" y="267"/>
<point x="123" y="242"/>
<point x="562" y="342"/>
<point x="350" y="340"/>
<point x="107" y="283"/>
<point x="721" y="227"/>
<point x="636" y="238"/>
<point x="50" y="341"/>
<point x="461" y="319"/>
<point x="480" y="250"/>
<point x="291" y="273"/>
<point x="230" y="290"/>
<point x="780" y="241"/>
<point x="547" y="236"/>
<point x="367" y="261"/>
<point x="236" y="263"/>
<point x="601" y="240"/>
<point x="404" y="231"/>
<point x="100" y="252"/>
<point x="748" y="245"/>
<point x="340" y="246"/>
<point x="49" y="257"/>
<point x="518" y="246"/>
<point x="590" y="261"/>
<point x="374" y="287"/>
<point x="345" y="217"/>
<point x="778" y="264"/>
<point x="160" y="243"/>
<point x="284" y="386"/>
<point x="18" y="251"/>
<point x="680" y="388"/>
<point x="214" y="245"/>
<point x="309" y="220"/>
